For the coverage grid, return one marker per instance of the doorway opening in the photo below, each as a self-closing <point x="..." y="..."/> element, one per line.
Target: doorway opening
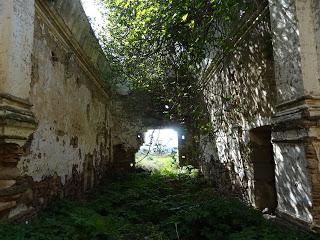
<point x="265" y="197"/>
<point x="159" y="151"/>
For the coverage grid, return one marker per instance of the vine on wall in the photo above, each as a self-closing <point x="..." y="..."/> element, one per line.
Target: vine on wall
<point x="165" y="50"/>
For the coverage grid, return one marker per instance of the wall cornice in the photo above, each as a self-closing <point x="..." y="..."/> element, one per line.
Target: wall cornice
<point x="60" y="29"/>
<point x="237" y="38"/>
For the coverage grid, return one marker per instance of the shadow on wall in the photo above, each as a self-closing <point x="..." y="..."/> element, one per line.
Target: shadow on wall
<point x="124" y="158"/>
<point x="218" y="174"/>
<point x="293" y="186"/>
<point x="240" y="96"/>
<point x="286" y="52"/>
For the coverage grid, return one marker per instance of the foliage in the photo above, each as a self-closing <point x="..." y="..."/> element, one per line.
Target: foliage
<point x="164" y="165"/>
<point x="160" y="45"/>
<point x="142" y="206"/>
<point x="155" y="163"/>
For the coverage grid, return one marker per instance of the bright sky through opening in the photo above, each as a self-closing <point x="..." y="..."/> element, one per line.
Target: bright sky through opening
<point x="167" y="137"/>
<point x="93" y="11"/>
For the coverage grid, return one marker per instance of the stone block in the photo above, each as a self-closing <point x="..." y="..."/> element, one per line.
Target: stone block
<point x="9" y="173"/>
<point x="9" y="158"/>
<point x="10" y="198"/>
<point x="6" y="183"/>
<point x="7" y="205"/>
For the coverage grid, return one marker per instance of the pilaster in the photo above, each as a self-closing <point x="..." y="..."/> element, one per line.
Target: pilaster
<point x="296" y="129"/>
<point x="17" y="122"/>
<point x="16" y="45"/>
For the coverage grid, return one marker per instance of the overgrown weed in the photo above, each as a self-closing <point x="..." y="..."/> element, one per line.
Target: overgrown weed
<point x="150" y="206"/>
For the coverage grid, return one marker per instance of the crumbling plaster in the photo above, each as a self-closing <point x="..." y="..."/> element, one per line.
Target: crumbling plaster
<point x="72" y="113"/>
<point x="66" y="107"/>
<point x="62" y="113"/>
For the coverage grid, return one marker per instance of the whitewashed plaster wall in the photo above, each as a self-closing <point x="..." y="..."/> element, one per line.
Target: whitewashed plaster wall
<point x="72" y="112"/>
<point x="16" y="43"/>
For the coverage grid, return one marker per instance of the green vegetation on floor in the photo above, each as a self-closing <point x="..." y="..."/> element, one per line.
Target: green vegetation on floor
<point x="163" y="164"/>
<point x="150" y="206"/>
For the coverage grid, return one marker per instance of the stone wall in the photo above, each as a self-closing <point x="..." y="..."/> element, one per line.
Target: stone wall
<point x="296" y="132"/>
<point x="63" y="125"/>
<point x="264" y="103"/>
<point x="240" y="94"/>
<point x="59" y="120"/>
